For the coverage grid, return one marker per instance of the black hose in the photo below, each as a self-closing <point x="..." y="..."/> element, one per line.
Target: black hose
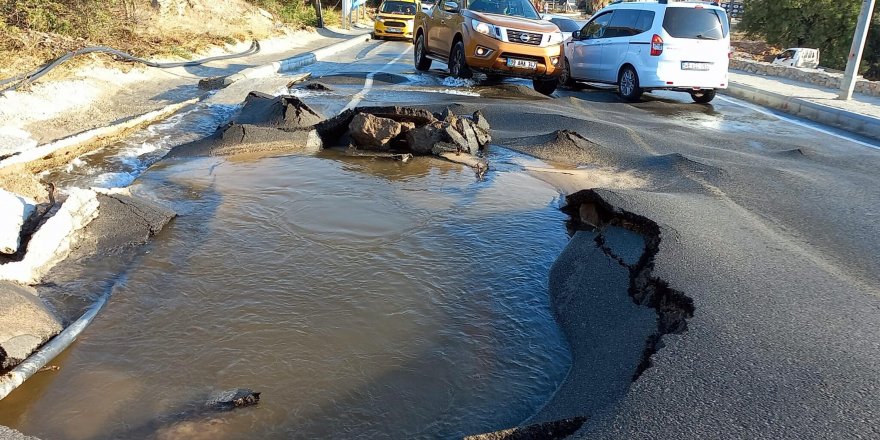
<point x="30" y="77"/>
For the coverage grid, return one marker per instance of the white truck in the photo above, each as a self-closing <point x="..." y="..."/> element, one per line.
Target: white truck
<point x="798" y="57"/>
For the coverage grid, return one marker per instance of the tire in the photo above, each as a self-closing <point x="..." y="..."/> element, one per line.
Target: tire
<point x="703" y="96"/>
<point x="422" y="62"/>
<point x="628" y="85"/>
<point x="545" y="86"/>
<point x="565" y="77"/>
<point x="458" y="67"/>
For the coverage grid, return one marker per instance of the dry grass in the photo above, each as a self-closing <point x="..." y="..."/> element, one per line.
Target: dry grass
<point x="31" y="49"/>
<point x="33" y="32"/>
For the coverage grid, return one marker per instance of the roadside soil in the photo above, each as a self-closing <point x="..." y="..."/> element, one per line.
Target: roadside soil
<point x="749" y="48"/>
<point x="757" y="50"/>
<point x="100" y="93"/>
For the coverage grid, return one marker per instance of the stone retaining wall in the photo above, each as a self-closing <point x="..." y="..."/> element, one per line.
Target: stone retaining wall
<point x="810" y="76"/>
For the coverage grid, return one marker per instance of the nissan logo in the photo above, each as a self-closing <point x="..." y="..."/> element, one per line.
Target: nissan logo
<point x="524" y="38"/>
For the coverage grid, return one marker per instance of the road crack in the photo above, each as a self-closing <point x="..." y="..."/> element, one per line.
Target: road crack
<point x="589" y="211"/>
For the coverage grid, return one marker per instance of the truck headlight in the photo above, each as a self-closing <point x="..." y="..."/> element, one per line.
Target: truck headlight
<point x="410" y="23"/>
<point x="555" y="38"/>
<point x="484" y="28"/>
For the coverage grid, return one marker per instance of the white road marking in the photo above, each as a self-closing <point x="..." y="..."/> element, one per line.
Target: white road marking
<point x="796" y="122"/>
<point x="368" y="84"/>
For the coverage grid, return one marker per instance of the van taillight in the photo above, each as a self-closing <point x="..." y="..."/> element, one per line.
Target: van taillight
<point x="656" y="46"/>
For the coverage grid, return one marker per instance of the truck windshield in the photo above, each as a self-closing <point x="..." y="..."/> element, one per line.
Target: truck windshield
<point x="566" y="25"/>
<point x="696" y="23"/>
<point x="513" y="8"/>
<point x="400" y="8"/>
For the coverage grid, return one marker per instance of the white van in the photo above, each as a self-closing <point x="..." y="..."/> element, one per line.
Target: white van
<point x="653" y="45"/>
<point x="798" y="57"/>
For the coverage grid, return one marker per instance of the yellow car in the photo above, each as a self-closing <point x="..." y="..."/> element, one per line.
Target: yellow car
<point x="395" y="19"/>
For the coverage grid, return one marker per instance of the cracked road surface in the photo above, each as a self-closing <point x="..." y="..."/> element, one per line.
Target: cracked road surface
<point x="769" y="224"/>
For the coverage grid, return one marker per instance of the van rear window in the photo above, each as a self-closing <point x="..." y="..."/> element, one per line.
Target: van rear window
<point x="696" y="23"/>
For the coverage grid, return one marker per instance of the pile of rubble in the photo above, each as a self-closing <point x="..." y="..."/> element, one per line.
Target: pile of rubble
<point x="35" y="237"/>
<point x="398" y="132"/>
<point x="266" y="124"/>
<point x="424" y="135"/>
<point x="285" y="124"/>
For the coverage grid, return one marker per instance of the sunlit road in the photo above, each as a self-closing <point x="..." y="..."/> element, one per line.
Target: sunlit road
<point x="769" y="223"/>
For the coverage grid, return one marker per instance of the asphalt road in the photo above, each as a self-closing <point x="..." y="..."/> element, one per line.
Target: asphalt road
<point x="769" y="223"/>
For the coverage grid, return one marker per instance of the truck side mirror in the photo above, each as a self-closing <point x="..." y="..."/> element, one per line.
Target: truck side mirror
<point x="576" y="35"/>
<point x="452" y="7"/>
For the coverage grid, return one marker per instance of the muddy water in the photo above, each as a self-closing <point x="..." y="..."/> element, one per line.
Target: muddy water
<point x="363" y="298"/>
<point x="121" y="162"/>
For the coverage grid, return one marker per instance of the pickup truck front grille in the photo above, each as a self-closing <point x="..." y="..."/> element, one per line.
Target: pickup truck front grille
<point x="524" y="37"/>
<point x="395" y="24"/>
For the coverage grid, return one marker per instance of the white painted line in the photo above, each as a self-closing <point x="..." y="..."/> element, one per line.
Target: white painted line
<point x="796" y="122"/>
<point x="368" y="84"/>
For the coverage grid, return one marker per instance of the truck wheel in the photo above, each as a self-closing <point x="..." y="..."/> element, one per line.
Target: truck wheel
<point x="458" y="67"/>
<point x="545" y="86"/>
<point x="703" y="96"/>
<point x="422" y="62"/>
<point x="628" y="85"/>
<point x="565" y="77"/>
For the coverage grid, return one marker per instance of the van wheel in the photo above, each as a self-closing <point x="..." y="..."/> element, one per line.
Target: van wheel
<point x="545" y="86"/>
<point x="422" y="62"/>
<point x="565" y="77"/>
<point x="703" y="96"/>
<point x="458" y="67"/>
<point x="628" y="85"/>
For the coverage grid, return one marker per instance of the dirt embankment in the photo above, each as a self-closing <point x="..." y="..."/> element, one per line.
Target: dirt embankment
<point x="758" y="50"/>
<point x="33" y="32"/>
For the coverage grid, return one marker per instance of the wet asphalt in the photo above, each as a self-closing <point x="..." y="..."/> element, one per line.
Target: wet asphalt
<point x="769" y="223"/>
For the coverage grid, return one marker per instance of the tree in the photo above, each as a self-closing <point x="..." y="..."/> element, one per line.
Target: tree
<point x="824" y="24"/>
<point x="872" y="49"/>
<point x="594" y="5"/>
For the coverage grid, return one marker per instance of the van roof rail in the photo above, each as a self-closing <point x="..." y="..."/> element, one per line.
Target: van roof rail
<point x="711" y="2"/>
<point x="663" y="2"/>
<point x="614" y="2"/>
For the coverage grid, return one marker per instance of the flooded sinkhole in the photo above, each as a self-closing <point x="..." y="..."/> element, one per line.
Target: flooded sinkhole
<point x="363" y="299"/>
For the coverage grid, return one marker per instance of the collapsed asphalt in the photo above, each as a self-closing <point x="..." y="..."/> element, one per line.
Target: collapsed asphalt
<point x="769" y="227"/>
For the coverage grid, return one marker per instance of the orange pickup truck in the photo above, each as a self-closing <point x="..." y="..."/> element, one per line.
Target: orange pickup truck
<point x="496" y="37"/>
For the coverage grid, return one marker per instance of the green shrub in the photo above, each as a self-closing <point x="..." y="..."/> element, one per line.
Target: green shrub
<point x="292" y="12"/>
<point x="825" y="24"/>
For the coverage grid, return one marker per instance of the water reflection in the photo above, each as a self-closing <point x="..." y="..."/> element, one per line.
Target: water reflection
<point x="363" y="298"/>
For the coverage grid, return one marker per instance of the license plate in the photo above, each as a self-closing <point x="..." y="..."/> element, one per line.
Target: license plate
<point x="522" y="64"/>
<point x="688" y="65"/>
<point x="394" y="30"/>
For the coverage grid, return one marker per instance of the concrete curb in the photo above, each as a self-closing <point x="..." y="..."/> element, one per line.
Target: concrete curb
<point x="864" y="125"/>
<point x="295" y="62"/>
<point x="96" y="133"/>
